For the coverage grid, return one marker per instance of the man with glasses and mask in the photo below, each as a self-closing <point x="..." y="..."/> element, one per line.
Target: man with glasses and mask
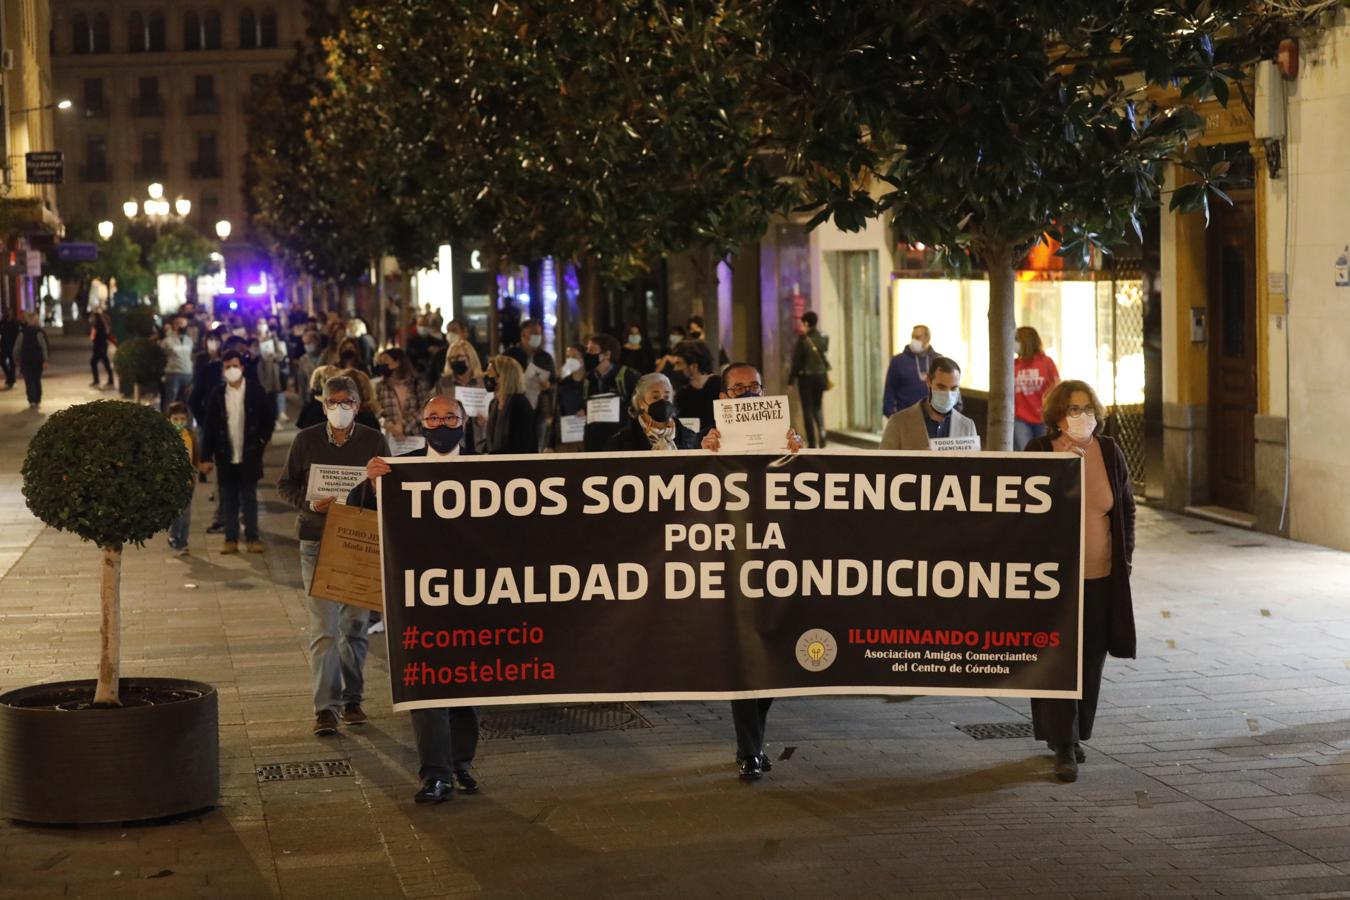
<point x="935" y="416"/>
<point x="337" y="646"/>
<point x="447" y="738"/>
<point x="748" y="716"/>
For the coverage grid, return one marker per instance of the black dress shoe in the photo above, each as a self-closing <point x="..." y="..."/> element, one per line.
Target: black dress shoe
<point x="434" y="791"/>
<point x="765" y="763"/>
<point x="465" y="782"/>
<point x="1079" y="753"/>
<point x="1066" y="767"/>
<point x="751" y="768"/>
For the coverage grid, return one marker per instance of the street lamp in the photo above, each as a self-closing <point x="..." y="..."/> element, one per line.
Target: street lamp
<point x="64" y="104"/>
<point x="130" y="208"/>
<point x="105" y="230"/>
<point x="155" y="190"/>
<point x="182" y="206"/>
<point x="223" y="229"/>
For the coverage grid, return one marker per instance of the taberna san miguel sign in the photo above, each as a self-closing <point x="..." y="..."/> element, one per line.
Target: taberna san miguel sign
<point x="663" y="576"/>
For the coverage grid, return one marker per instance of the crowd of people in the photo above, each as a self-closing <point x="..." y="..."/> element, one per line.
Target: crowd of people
<point x="229" y="384"/>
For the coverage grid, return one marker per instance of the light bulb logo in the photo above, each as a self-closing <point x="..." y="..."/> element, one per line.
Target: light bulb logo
<point x="816" y="650"/>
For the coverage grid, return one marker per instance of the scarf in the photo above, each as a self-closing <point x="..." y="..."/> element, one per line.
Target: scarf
<point x="660" y="437"/>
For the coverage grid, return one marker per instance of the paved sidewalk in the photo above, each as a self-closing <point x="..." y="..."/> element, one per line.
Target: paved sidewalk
<point x="1221" y="764"/>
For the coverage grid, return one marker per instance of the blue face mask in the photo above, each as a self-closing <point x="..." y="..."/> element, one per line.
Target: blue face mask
<point x="945" y="401"/>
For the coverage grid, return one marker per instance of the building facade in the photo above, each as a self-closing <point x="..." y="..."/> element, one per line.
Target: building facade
<point x="30" y="211"/>
<point x="161" y="94"/>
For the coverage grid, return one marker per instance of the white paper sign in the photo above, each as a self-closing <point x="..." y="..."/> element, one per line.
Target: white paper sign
<point x="400" y="446"/>
<point x="474" y="400"/>
<point x="573" y="428"/>
<point x="535" y="381"/>
<point x="752" y="423"/>
<point x="954" y="444"/>
<point x="695" y="424"/>
<point x="333" y="481"/>
<point x="603" y="409"/>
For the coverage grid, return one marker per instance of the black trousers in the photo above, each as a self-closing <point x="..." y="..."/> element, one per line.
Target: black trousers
<point x="1060" y="722"/>
<point x="811" y="388"/>
<point x="447" y="740"/>
<point x="749" y="717"/>
<point x="100" y="355"/>
<point x="32" y="382"/>
<point x="7" y="363"/>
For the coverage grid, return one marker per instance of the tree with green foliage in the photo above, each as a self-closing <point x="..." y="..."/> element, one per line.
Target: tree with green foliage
<point x="139" y="363"/>
<point x="113" y="473"/>
<point x="180" y="249"/>
<point x="984" y="126"/>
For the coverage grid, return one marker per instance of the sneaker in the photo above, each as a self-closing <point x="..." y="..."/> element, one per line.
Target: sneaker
<point x="283" y="419"/>
<point x="230" y="547"/>
<point x="434" y="791"/>
<point x="353" y="714"/>
<point x="376" y="627"/>
<point x="256" y="547"/>
<point x="325" y="724"/>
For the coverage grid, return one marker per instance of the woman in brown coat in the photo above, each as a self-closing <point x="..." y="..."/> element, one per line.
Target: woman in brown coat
<point x="1074" y="418"/>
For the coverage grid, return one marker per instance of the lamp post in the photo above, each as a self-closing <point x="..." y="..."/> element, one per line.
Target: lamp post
<point x="223" y="229"/>
<point x="105" y="230"/>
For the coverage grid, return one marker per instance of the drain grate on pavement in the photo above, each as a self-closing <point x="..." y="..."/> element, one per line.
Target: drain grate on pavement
<point x="537" y="721"/>
<point x="994" y="730"/>
<point x="296" y="771"/>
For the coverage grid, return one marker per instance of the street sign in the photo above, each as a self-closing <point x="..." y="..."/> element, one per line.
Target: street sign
<point x="74" y="251"/>
<point x="34" y="263"/>
<point x="46" y="167"/>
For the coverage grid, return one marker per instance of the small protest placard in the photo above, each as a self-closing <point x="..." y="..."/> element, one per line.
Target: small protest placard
<point x="333" y="481"/>
<point x="752" y="423"/>
<point x="603" y="409"/>
<point x="955" y="444"/>
<point x="400" y="446"/>
<point x="474" y="400"/>
<point x="694" y="424"/>
<point x="572" y="428"/>
<point x="348" y="567"/>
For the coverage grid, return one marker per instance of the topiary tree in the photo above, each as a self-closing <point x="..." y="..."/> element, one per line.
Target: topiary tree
<point x="113" y="473"/>
<point x="139" y="361"/>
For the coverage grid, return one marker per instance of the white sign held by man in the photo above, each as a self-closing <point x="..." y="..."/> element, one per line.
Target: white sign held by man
<point x="955" y="444"/>
<point x="333" y="481"/>
<point x="603" y="409"/>
<point x="572" y="428"/>
<point x="752" y="423"/>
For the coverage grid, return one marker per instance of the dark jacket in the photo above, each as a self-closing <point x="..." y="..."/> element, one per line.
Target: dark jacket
<point x="9" y="333"/>
<point x="31" y="349"/>
<point x="312" y="447"/>
<point x="259" y="420"/>
<point x="1121" y="641"/>
<point x="364" y="493"/>
<point x="512" y="430"/>
<point x="905" y="380"/>
<point x="811" y="356"/>
<point x="633" y="439"/>
<point x="206" y="377"/>
<point x="620" y="380"/>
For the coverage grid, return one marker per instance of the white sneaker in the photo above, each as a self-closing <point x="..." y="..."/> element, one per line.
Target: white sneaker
<point x="283" y="419"/>
<point x="376" y="627"/>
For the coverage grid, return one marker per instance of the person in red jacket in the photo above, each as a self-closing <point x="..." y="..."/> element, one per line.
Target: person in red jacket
<point x="1034" y="375"/>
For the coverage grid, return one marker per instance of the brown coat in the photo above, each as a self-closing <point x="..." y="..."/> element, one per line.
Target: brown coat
<point x="1121" y="641"/>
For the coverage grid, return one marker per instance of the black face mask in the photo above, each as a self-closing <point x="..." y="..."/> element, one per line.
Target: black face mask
<point x="348" y="360"/>
<point x="592" y="361"/>
<point x="661" y="411"/>
<point x="678" y="380"/>
<point x="489" y="384"/>
<point x="380" y="371"/>
<point x="444" y="439"/>
<point x="459" y="366"/>
<point x="695" y="335"/>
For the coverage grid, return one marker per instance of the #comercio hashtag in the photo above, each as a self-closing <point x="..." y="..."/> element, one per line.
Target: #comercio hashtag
<point x="410" y="637"/>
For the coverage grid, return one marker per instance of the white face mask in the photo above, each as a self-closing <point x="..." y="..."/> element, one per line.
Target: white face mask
<point x="1081" y="428"/>
<point x="916" y="346"/>
<point x="945" y="401"/>
<point x="233" y="375"/>
<point x="535" y="341"/>
<point x="571" y="366"/>
<point x="340" y="418"/>
<point x="635" y="340"/>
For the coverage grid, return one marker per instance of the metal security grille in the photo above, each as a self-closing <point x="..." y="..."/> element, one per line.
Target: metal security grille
<point x="296" y="771"/>
<point x="995" y="730"/>
<point x="536" y="721"/>
<point x="1120" y="326"/>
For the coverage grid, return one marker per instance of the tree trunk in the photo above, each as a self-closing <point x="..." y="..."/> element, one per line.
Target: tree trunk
<point x="136" y="393"/>
<point x="110" y="630"/>
<point x="1002" y="344"/>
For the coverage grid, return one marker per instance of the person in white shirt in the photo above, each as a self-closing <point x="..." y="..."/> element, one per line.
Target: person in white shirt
<point x="447" y="738"/>
<point x="178" y="347"/>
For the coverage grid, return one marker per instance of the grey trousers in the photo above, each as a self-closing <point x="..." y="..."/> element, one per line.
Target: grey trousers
<point x="337" y="643"/>
<point x="749" y="717"/>
<point x="447" y="740"/>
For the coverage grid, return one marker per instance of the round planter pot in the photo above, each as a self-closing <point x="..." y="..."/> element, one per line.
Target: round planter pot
<point x="156" y="756"/>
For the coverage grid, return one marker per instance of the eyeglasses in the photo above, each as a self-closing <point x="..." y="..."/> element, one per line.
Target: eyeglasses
<point x="744" y="390"/>
<point x="452" y="421"/>
<point x="1074" y="412"/>
<point x="340" y="404"/>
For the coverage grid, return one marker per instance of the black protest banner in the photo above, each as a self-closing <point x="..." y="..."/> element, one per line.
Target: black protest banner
<point x="662" y="576"/>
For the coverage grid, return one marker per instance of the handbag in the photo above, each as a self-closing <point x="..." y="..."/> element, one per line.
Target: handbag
<point x="829" y="382"/>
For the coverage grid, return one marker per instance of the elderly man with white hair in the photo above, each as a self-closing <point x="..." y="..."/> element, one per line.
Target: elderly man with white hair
<point x="654" y="423"/>
<point x="337" y="646"/>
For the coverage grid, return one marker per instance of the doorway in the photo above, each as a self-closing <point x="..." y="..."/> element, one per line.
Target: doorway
<point x="861" y="303"/>
<point x="1232" y="352"/>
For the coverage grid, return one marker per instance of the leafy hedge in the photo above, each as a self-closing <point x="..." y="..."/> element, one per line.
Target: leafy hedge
<point x="111" y="472"/>
<point x="139" y="360"/>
